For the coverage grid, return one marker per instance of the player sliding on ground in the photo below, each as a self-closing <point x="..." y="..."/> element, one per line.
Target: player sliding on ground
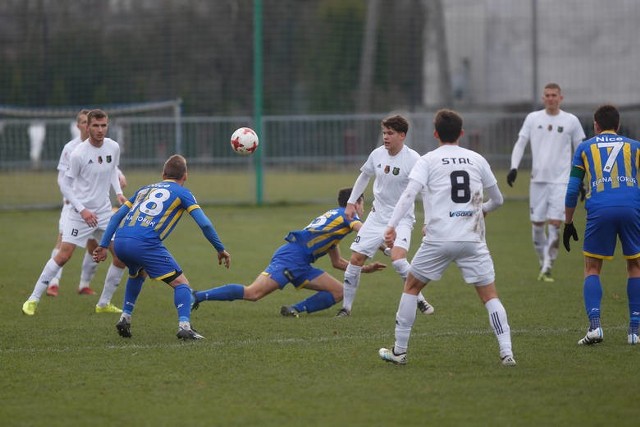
<point x="292" y="263"/>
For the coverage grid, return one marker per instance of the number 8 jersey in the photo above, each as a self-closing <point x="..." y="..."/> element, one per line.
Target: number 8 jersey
<point x="155" y="211"/>
<point x="454" y="179"/>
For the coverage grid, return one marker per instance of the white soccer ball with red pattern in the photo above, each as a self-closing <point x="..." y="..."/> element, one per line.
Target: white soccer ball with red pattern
<point x="244" y="141"/>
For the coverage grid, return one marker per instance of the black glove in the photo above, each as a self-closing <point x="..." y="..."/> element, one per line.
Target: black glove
<point x="568" y="232"/>
<point x="511" y="177"/>
<point x="583" y="192"/>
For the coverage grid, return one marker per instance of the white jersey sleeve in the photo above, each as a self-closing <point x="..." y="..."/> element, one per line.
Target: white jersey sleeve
<point x="65" y="155"/>
<point x="454" y="178"/>
<point x="64" y="162"/>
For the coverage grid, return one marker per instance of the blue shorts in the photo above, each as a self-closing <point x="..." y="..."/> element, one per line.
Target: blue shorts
<point x="154" y="258"/>
<point x="291" y="263"/>
<point x="605" y="225"/>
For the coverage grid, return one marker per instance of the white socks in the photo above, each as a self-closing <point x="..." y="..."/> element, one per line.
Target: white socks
<point x="58" y="275"/>
<point x="111" y="282"/>
<point x="405" y="317"/>
<point x="551" y="249"/>
<point x="539" y="241"/>
<point x="89" y="268"/>
<point x="351" y="282"/>
<point x="500" y="326"/>
<point x="48" y="273"/>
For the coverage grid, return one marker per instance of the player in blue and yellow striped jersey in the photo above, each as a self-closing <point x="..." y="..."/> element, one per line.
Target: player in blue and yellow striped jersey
<point x="140" y="226"/>
<point x="292" y="261"/>
<point x="611" y="165"/>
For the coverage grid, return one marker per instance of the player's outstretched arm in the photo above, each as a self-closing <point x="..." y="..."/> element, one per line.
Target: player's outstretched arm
<point x="210" y="233"/>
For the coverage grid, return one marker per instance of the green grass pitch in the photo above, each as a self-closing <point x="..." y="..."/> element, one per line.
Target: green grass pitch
<point x="67" y="366"/>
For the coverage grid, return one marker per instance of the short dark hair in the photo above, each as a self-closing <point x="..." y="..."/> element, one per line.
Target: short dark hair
<point x="553" y="86"/>
<point x="343" y="196"/>
<point x="607" y="117"/>
<point x="96" y="114"/>
<point x="448" y="124"/>
<point x="175" y="167"/>
<point x="397" y="123"/>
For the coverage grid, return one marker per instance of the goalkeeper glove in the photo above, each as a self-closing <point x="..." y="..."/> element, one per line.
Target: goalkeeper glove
<point x="511" y="177"/>
<point x="569" y="232"/>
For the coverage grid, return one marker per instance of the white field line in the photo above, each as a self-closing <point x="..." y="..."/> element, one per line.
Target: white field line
<point x="129" y="344"/>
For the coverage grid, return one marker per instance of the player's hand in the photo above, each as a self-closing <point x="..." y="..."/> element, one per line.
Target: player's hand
<point x="569" y="232"/>
<point x="374" y="266"/>
<point x="121" y="199"/>
<point x="350" y="211"/>
<point x="89" y="217"/>
<point x="511" y="177"/>
<point x="389" y="236"/>
<point x="583" y="192"/>
<point x="224" y="257"/>
<point x="99" y="254"/>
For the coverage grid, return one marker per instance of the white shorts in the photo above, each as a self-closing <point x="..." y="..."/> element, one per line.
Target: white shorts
<point x="546" y="201"/>
<point x="371" y="235"/>
<point x="63" y="215"/>
<point x="76" y="231"/>
<point x="472" y="258"/>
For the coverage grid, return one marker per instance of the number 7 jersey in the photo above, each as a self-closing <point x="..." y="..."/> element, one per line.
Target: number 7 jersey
<point x="454" y="179"/>
<point x="611" y="163"/>
<point x="155" y="211"/>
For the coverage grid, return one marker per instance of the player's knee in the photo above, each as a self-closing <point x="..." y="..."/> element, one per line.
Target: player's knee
<point x="252" y="293"/>
<point x="62" y="257"/>
<point x="357" y="259"/>
<point x="338" y="294"/>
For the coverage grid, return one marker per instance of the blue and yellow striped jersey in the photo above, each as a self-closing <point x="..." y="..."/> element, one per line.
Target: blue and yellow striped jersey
<point x="323" y="233"/>
<point x="611" y="163"/>
<point x="155" y="210"/>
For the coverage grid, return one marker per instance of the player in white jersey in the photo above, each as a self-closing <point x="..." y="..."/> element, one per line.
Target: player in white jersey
<point x="455" y="179"/>
<point x="89" y="266"/>
<point x="554" y="135"/>
<point x="390" y="165"/>
<point x="92" y="171"/>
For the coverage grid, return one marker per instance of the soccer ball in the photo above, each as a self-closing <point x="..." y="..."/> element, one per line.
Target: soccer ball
<point x="244" y="141"/>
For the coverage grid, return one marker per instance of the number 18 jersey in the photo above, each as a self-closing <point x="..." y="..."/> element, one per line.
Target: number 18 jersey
<point x="454" y="179"/>
<point x="155" y="211"/>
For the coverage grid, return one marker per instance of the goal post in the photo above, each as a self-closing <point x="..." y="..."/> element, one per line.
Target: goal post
<point x="31" y="140"/>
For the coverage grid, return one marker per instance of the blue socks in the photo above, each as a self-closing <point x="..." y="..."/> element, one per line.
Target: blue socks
<point x="592" y="291"/>
<point x="131" y="292"/>
<point x="316" y="302"/>
<point x="228" y="292"/>
<point x="633" y="294"/>
<point x="182" y="301"/>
